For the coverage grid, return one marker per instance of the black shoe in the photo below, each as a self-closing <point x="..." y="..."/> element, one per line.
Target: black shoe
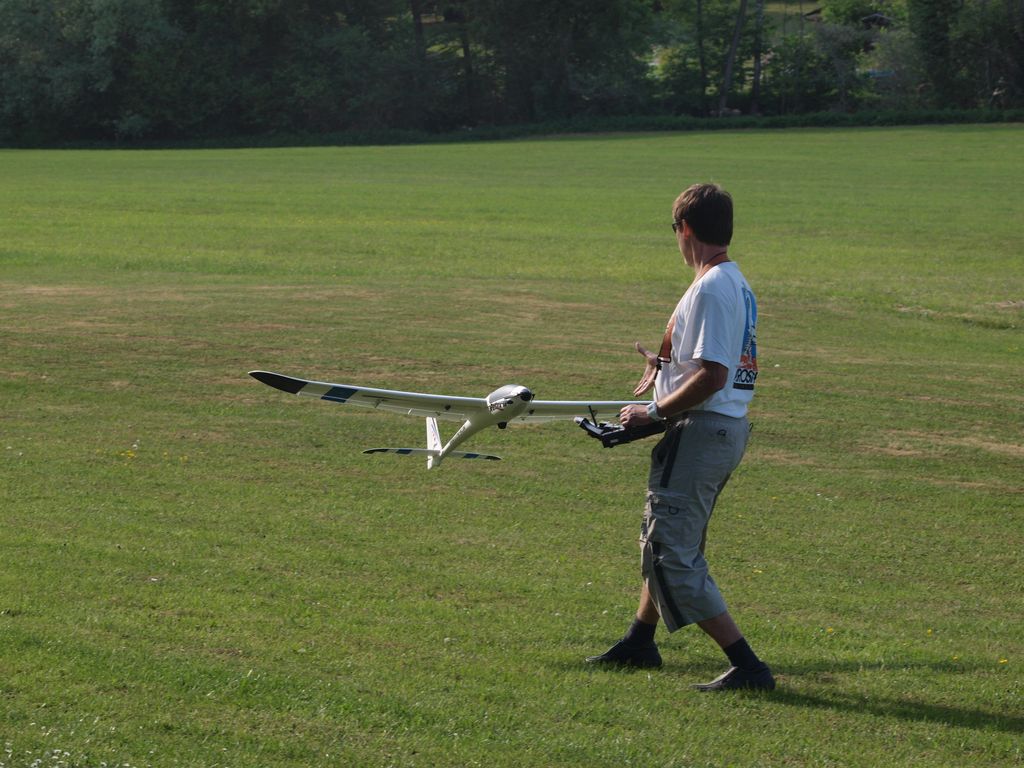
<point x="735" y="679"/>
<point x="622" y="654"/>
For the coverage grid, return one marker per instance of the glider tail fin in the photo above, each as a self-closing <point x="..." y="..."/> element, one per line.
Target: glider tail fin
<point x="433" y="443"/>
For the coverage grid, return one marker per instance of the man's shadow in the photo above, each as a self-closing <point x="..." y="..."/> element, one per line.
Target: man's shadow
<point x="904" y="708"/>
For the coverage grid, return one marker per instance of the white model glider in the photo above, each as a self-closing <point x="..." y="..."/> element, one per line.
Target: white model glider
<point x="509" y="403"/>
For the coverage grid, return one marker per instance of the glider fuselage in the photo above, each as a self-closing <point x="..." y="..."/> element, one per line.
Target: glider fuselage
<point x="503" y="404"/>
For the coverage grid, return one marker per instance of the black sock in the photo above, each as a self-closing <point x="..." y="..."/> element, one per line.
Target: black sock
<point x="640" y="633"/>
<point x="740" y="655"/>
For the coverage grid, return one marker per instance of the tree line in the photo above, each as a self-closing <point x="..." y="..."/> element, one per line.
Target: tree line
<point x="184" y="69"/>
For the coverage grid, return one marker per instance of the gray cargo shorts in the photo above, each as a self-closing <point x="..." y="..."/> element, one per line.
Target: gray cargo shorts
<point x="690" y="466"/>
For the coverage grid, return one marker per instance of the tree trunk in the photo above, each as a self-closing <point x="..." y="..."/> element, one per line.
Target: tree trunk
<point x="700" y="58"/>
<point x="755" y="93"/>
<point x="731" y="58"/>
<point x="416" y="6"/>
<point x="468" y="74"/>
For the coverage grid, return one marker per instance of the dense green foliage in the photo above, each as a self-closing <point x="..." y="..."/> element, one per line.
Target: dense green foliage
<point x="197" y="570"/>
<point x="73" y="70"/>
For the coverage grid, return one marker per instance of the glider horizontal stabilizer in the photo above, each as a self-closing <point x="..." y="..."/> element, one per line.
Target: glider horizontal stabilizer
<point x="428" y="452"/>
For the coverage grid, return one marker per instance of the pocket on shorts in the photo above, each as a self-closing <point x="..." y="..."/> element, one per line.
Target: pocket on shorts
<point x="675" y="522"/>
<point x="660" y="518"/>
<point x="722" y="445"/>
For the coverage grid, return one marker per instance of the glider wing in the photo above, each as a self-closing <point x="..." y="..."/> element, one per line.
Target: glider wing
<point x="446" y="407"/>
<point x="595" y="410"/>
<point x="408" y="403"/>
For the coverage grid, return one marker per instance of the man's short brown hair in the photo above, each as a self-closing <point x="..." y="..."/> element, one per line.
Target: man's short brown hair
<point x="707" y="208"/>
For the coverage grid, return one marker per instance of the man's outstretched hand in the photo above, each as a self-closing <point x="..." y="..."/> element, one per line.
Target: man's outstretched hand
<point x="650" y="371"/>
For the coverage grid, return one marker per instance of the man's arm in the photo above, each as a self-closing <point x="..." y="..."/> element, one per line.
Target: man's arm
<point x="710" y="378"/>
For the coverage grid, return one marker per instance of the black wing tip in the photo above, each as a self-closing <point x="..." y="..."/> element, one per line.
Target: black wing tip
<point x="277" y="381"/>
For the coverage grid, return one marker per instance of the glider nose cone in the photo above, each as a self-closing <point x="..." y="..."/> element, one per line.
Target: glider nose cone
<point x="509" y="401"/>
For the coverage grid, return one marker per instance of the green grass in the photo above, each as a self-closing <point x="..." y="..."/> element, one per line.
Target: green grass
<point x="196" y="570"/>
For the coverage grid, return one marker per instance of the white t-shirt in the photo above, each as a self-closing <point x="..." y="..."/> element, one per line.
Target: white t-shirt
<point x="716" y="320"/>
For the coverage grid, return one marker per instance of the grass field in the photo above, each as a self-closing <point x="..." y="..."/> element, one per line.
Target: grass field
<point x="197" y="570"/>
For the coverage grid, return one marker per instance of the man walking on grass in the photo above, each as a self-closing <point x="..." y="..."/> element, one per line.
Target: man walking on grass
<point x="704" y="380"/>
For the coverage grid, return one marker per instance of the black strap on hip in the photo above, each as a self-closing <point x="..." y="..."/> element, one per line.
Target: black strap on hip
<point x="671" y="449"/>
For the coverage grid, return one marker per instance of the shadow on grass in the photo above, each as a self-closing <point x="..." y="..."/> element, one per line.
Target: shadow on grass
<point x="902" y="708"/>
<point x="905" y="709"/>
